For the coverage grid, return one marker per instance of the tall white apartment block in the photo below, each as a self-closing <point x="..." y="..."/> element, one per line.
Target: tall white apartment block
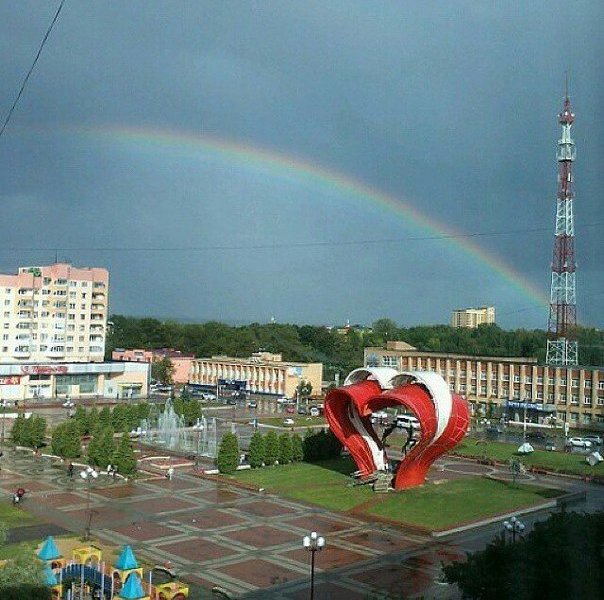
<point x="55" y="313"/>
<point x="473" y="317"/>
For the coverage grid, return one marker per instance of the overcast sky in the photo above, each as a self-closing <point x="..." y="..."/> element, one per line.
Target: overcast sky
<point x="448" y="107"/>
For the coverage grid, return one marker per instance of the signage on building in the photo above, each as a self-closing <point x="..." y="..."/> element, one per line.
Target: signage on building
<point x="14" y="380"/>
<point x="43" y="369"/>
<point x="233" y="384"/>
<point x="529" y="406"/>
<point x="294" y="371"/>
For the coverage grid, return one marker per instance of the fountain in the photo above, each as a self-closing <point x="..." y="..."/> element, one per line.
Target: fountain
<point x="168" y="430"/>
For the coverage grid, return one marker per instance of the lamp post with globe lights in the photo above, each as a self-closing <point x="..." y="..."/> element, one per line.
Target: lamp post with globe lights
<point x="313" y="543"/>
<point x="515" y="526"/>
<point x="88" y="475"/>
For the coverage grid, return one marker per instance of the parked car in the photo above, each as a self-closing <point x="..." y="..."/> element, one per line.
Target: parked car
<point x="302" y="409"/>
<point x="494" y="430"/>
<point x="595" y="440"/>
<point x="404" y="421"/>
<point x="208" y="396"/>
<point x="578" y="442"/>
<point x="314" y="411"/>
<point x="290" y="409"/>
<point x="289" y="422"/>
<point x="380" y="416"/>
<point x="252" y="404"/>
<point x="282" y="400"/>
<point x="162" y="389"/>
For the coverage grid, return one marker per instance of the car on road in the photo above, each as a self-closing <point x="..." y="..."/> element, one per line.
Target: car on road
<point x="289" y="422"/>
<point x="314" y="411"/>
<point x="252" y="404"/>
<point x="162" y="389"/>
<point x="282" y="400"/>
<point x="380" y="416"/>
<point x="578" y="442"/>
<point x="208" y="396"/>
<point x="595" y="440"/>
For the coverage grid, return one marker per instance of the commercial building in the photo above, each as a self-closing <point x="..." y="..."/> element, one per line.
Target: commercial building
<point x="76" y="380"/>
<point x="262" y="373"/>
<point x="473" y="317"/>
<point x="55" y="313"/>
<point x="182" y="362"/>
<point x="505" y="386"/>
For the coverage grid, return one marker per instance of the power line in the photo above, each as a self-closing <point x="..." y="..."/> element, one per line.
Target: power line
<point x="278" y="245"/>
<point x="29" y="72"/>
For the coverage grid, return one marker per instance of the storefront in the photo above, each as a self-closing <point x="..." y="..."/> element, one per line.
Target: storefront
<point x="76" y="380"/>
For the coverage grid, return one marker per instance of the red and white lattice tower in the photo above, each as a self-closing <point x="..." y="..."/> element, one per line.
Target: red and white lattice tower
<point x="562" y="344"/>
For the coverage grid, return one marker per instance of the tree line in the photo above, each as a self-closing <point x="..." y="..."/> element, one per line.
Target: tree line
<point x="339" y="353"/>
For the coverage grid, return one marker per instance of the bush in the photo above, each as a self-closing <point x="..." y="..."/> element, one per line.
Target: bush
<point x="320" y="445"/>
<point x="271" y="448"/>
<point x="285" y="449"/>
<point x="297" y="449"/>
<point x="256" y="454"/>
<point x="228" y="454"/>
<point x="29" y="432"/>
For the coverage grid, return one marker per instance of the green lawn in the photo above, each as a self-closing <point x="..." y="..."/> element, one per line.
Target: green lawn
<point x="12" y="550"/>
<point x="459" y="501"/>
<point x="434" y="506"/>
<point x="555" y="461"/>
<point x="13" y="516"/>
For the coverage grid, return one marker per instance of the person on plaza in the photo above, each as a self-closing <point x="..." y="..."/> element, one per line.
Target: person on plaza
<point x="70" y="470"/>
<point x="170" y="473"/>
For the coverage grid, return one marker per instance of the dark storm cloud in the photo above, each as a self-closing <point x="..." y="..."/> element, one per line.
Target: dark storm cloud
<point x="449" y="105"/>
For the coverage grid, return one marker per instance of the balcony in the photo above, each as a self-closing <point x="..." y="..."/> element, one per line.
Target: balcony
<point x="21" y="352"/>
<point x="97" y="327"/>
<point x="98" y="296"/>
<point x="98" y="306"/>
<point x="95" y="338"/>
<point x="99" y="285"/>
<point x="24" y="314"/>
<point x="96" y="317"/>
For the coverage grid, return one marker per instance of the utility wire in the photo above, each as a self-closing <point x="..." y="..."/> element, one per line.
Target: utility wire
<point x="279" y="245"/>
<point x="12" y="108"/>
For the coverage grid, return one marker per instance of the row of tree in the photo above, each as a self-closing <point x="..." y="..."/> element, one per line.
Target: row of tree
<point x="29" y="432"/>
<point x="270" y="449"/>
<point x="337" y="351"/>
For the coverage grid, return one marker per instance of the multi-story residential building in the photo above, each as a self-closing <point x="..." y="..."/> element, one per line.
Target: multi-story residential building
<point x="55" y="313"/>
<point x="180" y="361"/>
<point x="506" y="385"/>
<point x="262" y="373"/>
<point x="473" y="317"/>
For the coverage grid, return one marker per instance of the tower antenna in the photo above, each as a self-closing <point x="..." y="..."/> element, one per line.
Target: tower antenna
<point x="562" y="347"/>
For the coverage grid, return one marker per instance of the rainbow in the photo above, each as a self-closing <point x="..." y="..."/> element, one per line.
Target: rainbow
<point x="282" y="165"/>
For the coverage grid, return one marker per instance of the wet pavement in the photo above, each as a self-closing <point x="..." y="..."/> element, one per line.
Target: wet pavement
<point x="248" y="542"/>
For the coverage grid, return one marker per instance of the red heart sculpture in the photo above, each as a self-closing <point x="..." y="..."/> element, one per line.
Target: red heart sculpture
<point x="444" y="420"/>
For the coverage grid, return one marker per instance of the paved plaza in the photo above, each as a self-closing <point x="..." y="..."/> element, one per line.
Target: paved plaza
<point x="243" y="541"/>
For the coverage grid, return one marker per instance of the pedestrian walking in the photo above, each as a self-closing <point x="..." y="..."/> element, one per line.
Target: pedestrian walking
<point x="70" y="470"/>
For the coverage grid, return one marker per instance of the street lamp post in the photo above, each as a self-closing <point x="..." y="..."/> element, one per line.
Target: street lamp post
<point x="515" y="526"/>
<point x="313" y="543"/>
<point x="88" y="475"/>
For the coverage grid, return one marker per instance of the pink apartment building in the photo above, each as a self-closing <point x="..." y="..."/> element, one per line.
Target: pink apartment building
<point x="182" y="362"/>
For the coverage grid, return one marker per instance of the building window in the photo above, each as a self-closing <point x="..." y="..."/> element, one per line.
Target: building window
<point x="71" y="317"/>
<point x="550" y="381"/>
<point x="600" y="418"/>
<point x="588" y="383"/>
<point x="540" y="380"/>
<point x="562" y="399"/>
<point x="7" y="314"/>
<point x="539" y="395"/>
<point x="462" y="387"/>
<point x="82" y="316"/>
<point x="563" y="381"/>
<point x="483" y="389"/>
<point x="72" y="295"/>
<point x="575" y="383"/>
<point x="601" y="385"/>
<point x="550" y="398"/>
<point x="528" y="379"/>
<point x="387" y="361"/>
<point x="600" y="400"/>
<point x="587" y="400"/>
<point x="574" y="417"/>
<point x="574" y="399"/>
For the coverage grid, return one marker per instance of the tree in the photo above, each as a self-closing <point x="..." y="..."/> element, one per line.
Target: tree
<point x="271" y="448"/>
<point x="228" y="454"/>
<point x="304" y="390"/>
<point x="256" y="450"/>
<point x="101" y="449"/>
<point x="124" y="459"/>
<point x="185" y="395"/>
<point x="561" y="558"/>
<point x="93" y="419"/>
<point x="297" y="449"/>
<point x="37" y="431"/>
<point x="66" y="441"/>
<point x="81" y="418"/>
<point x="19" y="425"/>
<point x="285" y="449"/>
<point x="105" y="419"/>
<point x="163" y="370"/>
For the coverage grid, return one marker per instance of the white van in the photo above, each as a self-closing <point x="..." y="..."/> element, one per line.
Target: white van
<point x="404" y="421"/>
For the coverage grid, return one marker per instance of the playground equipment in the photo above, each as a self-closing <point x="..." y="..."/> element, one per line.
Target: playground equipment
<point x="444" y="419"/>
<point x="87" y="573"/>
